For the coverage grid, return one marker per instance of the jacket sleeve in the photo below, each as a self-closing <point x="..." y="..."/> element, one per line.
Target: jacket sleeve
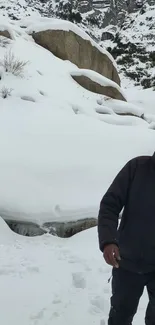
<point x="111" y="205"/>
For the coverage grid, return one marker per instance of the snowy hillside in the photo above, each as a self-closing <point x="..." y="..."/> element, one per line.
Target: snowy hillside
<point x="125" y="29"/>
<point x="58" y="140"/>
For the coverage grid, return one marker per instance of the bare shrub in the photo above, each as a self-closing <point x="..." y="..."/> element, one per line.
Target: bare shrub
<point x="5" y="92"/>
<point x="12" y="64"/>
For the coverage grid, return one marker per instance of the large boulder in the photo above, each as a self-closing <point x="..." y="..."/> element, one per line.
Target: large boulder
<point x="96" y="83"/>
<point x="76" y="46"/>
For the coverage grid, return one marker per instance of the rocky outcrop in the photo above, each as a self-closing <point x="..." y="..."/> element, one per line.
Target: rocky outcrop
<point x="5" y="33"/>
<point x="95" y="87"/>
<point x="68" y="45"/>
<point x="25" y="228"/>
<point x="68" y="229"/>
<point x="60" y="229"/>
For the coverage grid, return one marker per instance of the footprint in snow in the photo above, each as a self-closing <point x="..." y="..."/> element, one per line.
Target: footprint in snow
<point x="38" y="317"/>
<point x="106" y="289"/>
<point x="33" y="269"/>
<point x="56" y="301"/>
<point x="98" y="305"/>
<point x="78" y="280"/>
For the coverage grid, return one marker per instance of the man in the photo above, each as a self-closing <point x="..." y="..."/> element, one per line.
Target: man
<point x="130" y="248"/>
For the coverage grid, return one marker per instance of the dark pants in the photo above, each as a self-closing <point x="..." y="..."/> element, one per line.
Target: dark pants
<point x="127" y="288"/>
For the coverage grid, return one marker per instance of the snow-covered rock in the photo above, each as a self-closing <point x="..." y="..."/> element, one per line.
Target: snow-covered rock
<point x="6" y="30"/>
<point x="96" y="83"/>
<point x="69" y="42"/>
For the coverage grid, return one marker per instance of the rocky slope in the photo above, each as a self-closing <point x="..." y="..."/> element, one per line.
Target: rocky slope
<point x="133" y="46"/>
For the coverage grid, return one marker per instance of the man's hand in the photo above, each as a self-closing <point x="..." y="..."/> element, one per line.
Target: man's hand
<point x="111" y="255"/>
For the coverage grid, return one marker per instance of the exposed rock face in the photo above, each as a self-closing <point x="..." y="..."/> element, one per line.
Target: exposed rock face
<point x="25" y="228"/>
<point x="60" y="229"/>
<point x="68" y="229"/>
<point x="70" y="46"/>
<point x="97" y="88"/>
<point x="5" y="33"/>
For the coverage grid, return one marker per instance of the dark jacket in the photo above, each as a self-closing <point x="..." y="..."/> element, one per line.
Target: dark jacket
<point x="134" y="190"/>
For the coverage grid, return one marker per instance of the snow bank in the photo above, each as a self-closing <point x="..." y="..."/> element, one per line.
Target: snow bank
<point x="142" y="98"/>
<point x="121" y="107"/>
<point x="124" y="120"/>
<point x="7" y="236"/>
<point x="96" y="77"/>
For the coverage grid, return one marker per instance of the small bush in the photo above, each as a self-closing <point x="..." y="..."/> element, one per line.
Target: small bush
<point x="152" y="58"/>
<point x="142" y="57"/>
<point x="115" y="52"/>
<point x="146" y="83"/>
<point x="125" y="59"/>
<point x="12" y="64"/>
<point x="133" y="75"/>
<point x="5" y="92"/>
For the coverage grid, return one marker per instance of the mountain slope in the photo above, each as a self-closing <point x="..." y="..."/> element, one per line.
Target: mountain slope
<point x="133" y="47"/>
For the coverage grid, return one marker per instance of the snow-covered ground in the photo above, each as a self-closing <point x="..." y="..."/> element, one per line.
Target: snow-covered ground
<point x="47" y="280"/>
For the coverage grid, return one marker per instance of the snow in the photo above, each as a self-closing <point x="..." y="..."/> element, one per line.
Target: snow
<point x="140" y="26"/>
<point x="48" y="280"/>
<point x="136" y="35"/>
<point x="125" y="120"/>
<point x="121" y="107"/>
<point x="142" y="98"/>
<point x="7" y="27"/>
<point x="96" y="77"/>
<point x="18" y="9"/>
